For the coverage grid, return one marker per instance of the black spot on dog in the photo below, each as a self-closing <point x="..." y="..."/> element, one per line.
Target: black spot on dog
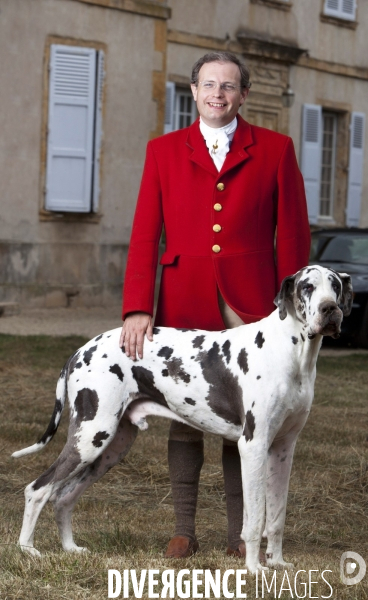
<point x="303" y="338"/>
<point x="176" y="371"/>
<point x="104" y="356"/>
<point x="123" y="348"/>
<point x="259" y="341"/>
<point x="294" y="339"/>
<point x="190" y="401"/>
<point x="225" y="397"/>
<point x="117" y="371"/>
<point x="226" y="350"/>
<point x="283" y="458"/>
<point x="243" y="360"/>
<point x="98" y="337"/>
<point x="198" y="341"/>
<point x="165" y="373"/>
<point x="71" y="364"/>
<point x="249" y="426"/>
<point x="86" y="405"/>
<point x="253" y="403"/>
<point x="166" y="352"/>
<point x="99" y="438"/>
<point x="258" y="377"/>
<point x="156" y="330"/>
<point x="184" y="329"/>
<point x="87" y="355"/>
<point x="146" y="384"/>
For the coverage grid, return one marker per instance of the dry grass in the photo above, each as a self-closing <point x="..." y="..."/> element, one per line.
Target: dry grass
<point x="127" y="518"/>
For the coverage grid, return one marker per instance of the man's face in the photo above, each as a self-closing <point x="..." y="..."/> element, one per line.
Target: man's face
<point x="218" y="107"/>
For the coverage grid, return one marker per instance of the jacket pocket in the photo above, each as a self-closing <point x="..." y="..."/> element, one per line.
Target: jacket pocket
<point x="168" y="258"/>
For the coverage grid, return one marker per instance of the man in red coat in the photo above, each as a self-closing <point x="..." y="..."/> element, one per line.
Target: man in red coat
<point x="221" y="188"/>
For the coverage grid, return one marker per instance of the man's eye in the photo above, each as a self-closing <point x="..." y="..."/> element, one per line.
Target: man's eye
<point x="228" y="87"/>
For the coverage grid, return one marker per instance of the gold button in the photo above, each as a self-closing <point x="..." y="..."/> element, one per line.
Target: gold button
<point x="216" y="248"/>
<point x="220" y="187"/>
<point x="217" y="228"/>
<point x="217" y="207"/>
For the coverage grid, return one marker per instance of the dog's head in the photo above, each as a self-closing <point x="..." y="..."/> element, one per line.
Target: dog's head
<point x="313" y="296"/>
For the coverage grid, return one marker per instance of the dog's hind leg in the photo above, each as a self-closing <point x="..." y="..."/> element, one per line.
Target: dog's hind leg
<point x="35" y="501"/>
<point x="66" y="497"/>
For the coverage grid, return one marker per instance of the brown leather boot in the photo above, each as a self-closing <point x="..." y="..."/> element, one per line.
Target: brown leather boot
<point x="181" y="547"/>
<point x="185" y="463"/>
<point x="234" y="499"/>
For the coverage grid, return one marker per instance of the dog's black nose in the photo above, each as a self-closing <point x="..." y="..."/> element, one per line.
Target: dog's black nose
<point x="327" y="307"/>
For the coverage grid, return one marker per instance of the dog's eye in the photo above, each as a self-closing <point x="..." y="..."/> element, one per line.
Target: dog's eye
<point x="308" y="287"/>
<point x="336" y="288"/>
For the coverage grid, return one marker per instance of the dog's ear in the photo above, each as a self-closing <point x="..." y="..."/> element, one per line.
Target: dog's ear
<point x="284" y="297"/>
<point x="347" y="294"/>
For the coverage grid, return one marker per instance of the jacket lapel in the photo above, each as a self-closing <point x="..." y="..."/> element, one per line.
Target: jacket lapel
<point x="200" y="154"/>
<point x="238" y="151"/>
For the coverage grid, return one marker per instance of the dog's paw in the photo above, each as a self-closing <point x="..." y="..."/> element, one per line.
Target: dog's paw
<point x="257" y="569"/>
<point x="280" y="564"/>
<point x="77" y="549"/>
<point x="30" y="550"/>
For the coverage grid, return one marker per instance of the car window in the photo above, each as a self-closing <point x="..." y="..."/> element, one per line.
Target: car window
<point x="341" y="248"/>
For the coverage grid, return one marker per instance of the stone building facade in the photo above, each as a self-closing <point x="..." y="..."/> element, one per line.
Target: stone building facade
<point x="85" y="85"/>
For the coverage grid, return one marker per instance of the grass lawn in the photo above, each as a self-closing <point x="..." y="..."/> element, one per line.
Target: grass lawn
<point x="127" y="518"/>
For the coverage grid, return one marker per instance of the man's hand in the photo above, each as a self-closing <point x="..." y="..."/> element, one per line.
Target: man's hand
<point x="136" y="326"/>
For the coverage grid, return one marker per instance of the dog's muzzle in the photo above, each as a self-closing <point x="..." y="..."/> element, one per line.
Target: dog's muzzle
<point x="330" y="317"/>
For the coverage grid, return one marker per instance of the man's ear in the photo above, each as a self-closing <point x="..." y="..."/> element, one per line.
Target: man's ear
<point x="284" y="297"/>
<point x="347" y="293"/>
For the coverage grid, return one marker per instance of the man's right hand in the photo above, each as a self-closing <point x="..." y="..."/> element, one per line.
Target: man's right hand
<point x="136" y="326"/>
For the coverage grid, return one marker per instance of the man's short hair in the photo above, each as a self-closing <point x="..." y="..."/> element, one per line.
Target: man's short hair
<point x="221" y="57"/>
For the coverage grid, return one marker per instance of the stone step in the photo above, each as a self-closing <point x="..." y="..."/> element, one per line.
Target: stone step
<point x="9" y="309"/>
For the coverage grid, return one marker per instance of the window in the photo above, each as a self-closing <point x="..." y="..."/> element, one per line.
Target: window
<point x="342" y="9"/>
<point x="318" y="161"/>
<point x="74" y="129"/>
<point x="180" y="110"/>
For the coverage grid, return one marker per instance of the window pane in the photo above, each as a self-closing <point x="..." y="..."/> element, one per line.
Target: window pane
<point x="328" y="163"/>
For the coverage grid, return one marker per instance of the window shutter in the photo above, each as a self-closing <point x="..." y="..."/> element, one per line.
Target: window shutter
<point x="70" y="128"/>
<point x="98" y="129"/>
<point x="169" y="107"/>
<point x="311" y="157"/>
<point x="355" y="180"/>
<point x="344" y="9"/>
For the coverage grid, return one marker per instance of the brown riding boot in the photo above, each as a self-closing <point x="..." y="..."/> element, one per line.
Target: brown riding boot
<point x="234" y="499"/>
<point x="185" y="463"/>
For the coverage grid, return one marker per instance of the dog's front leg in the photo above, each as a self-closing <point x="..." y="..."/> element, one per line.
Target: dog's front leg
<point x="280" y="458"/>
<point x="253" y="456"/>
<point x="66" y="497"/>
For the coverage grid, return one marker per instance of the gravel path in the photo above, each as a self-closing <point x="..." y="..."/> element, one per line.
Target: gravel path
<point x="87" y="322"/>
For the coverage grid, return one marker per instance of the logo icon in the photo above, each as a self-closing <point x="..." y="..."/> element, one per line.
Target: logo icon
<point x="352" y="568"/>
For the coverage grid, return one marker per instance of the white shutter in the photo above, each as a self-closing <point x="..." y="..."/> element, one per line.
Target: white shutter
<point x="311" y="157"/>
<point x="98" y="129"/>
<point x="70" y="128"/>
<point x="169" y="107"/>
<point x="343" y="9"/>
<point x="355" y="180"/>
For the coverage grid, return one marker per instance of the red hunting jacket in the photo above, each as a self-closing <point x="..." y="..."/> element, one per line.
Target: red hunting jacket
<point x="258" y="189"/>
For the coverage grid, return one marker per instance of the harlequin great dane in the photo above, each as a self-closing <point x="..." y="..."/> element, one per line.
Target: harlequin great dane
<point x="253" y="384"/>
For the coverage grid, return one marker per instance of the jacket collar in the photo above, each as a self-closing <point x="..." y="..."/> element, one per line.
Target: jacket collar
<point x="238" y="153"/>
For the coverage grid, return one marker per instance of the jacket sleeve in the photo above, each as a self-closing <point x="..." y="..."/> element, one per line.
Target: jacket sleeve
<point x="140" y="274"/>
<point x="293" y="232"/>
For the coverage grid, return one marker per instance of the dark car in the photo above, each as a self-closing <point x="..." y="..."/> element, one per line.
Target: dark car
<point x="346" y="251"/>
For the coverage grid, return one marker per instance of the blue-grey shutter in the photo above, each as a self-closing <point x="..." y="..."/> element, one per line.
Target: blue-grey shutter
<point x="169" y="107"/>
<point x="311" y="155"/>
<point x="98" y="129"/>
<point x="70" y="128"/>
<point x="355" y="180"/>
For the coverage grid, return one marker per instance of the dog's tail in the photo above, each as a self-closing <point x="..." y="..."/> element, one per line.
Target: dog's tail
<point x="56" y="415"/>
